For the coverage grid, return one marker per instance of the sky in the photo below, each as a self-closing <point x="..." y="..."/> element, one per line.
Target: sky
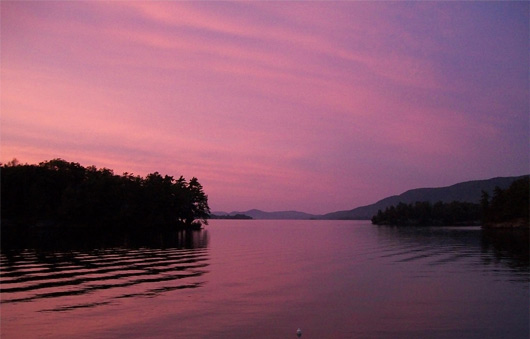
<point x="308" y="106"/>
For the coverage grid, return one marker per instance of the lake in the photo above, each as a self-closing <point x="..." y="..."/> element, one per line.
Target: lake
<point x="266" y="279"/>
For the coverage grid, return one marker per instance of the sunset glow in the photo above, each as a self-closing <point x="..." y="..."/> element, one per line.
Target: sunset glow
<point x="309" y="106"/>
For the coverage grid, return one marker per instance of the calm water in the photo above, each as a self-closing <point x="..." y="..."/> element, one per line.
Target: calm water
<point x="265" y="279"/>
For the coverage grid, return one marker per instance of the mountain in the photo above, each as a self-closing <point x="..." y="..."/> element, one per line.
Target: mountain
<point x="257" y="214"/>
<point x="469" y="191"/>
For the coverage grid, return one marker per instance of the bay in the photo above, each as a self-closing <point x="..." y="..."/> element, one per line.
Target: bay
<point x="265" y="279"/>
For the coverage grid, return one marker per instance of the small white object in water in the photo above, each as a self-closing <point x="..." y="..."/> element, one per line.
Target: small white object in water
<point x="298" y="333"/>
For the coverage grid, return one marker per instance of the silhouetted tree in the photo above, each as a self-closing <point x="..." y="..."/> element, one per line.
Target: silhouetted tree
<point x="67" y="193"/>
<point x="509" y="205"/>
<point x="422" y="213"/>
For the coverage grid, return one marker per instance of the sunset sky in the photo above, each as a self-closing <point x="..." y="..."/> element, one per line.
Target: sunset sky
<point x="309" y="106"/>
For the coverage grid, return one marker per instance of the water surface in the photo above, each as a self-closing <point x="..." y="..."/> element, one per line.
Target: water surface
<point x="264" y="279"/>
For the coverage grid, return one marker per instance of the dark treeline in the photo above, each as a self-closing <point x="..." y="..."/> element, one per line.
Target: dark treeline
<point x="507" y="208"/>
<point x="427" y="214"/>
<point x="66" y="194"/>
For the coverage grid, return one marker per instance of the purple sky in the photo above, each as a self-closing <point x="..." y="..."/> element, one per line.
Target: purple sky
<point x="309" y="106"/>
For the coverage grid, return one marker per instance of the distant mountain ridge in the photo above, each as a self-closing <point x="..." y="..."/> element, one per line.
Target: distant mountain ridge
<point x="468" y="191"/>
<point x="280" y="215"/>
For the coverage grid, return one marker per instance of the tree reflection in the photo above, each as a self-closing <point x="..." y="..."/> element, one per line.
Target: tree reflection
<point x="57" y="239"/>
<point x="508" y="247"/>
<point x="68" y="271"/>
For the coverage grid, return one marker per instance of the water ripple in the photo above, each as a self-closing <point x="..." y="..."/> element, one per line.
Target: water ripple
<point x="29" y="276"/>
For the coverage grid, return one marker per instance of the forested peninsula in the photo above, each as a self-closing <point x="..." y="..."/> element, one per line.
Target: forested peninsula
<point x="66" y="195"/>
<point x="506" y="208"/>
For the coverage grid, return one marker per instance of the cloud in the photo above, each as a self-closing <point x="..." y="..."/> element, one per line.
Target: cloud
<point x="269" y="104"/>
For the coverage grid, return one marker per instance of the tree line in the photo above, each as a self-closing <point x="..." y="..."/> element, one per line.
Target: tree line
<point x="508" y="207"/>
<point x="426" y="214"/>
<point x="58" y="192"/>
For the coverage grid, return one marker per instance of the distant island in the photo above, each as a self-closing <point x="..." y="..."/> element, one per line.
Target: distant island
<point x="262" y="215"/>
<point x="64" y="195"/>
<point x="506" y="208"/>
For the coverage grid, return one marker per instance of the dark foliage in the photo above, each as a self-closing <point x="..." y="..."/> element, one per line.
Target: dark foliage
<point x="508" y="206"/>
<point x="427" y="214"/>
<point x="66" y="194"/>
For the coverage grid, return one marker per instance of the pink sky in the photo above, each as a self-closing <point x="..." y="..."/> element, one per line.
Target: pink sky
<point x="309" y="106"/>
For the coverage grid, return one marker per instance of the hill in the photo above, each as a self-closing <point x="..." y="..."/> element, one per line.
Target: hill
<point x="280" y="215"/>
<point x="469" y="191"/>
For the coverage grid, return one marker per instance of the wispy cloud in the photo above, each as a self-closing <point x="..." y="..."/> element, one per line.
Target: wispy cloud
<point x="271" y="104"/>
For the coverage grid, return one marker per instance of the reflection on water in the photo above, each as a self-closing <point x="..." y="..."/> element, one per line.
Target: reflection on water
<point x="57" y="239"/>
<point x="509" y="246"/>
<point x="266" y="278"/>
<point x="444" y="245"/>
<point x="71" y="272"/>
